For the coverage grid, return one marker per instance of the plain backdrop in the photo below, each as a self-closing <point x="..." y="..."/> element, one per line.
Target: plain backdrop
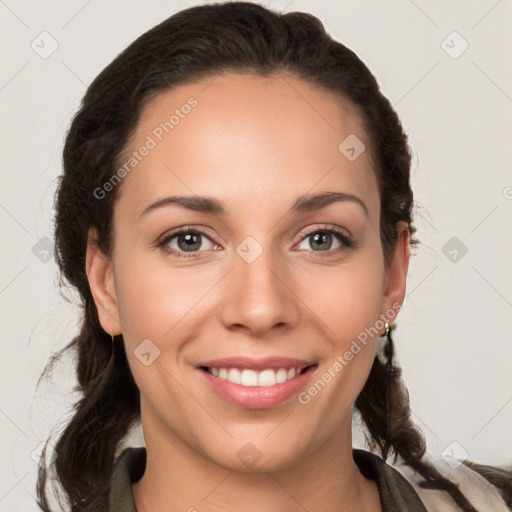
<point x="445" y="66"/>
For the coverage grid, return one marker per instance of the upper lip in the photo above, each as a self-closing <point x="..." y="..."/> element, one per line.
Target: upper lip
<point x="264" y="363"/>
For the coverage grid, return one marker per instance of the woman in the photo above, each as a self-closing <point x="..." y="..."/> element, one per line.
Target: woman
<point x="235" y="212"/>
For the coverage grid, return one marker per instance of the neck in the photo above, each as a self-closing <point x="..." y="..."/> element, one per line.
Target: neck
<point x="177" y="477"/>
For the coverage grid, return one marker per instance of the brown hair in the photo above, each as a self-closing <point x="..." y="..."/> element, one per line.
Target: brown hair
<point x="192" y="44"/>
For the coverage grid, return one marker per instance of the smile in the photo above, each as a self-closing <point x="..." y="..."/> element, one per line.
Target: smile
<point x="257" y="384"/>
<point x="245" y="377"/>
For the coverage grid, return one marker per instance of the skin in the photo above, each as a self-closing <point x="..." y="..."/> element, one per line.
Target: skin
<point x="256" y="144"/>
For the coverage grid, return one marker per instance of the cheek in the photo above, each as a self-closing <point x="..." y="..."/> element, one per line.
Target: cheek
<point x="356" y="323"/>
<point x="153" y="303"/>
<point x="152" y="298"/>
<point x="347" y="298"/>
<point x="349" y="303"/>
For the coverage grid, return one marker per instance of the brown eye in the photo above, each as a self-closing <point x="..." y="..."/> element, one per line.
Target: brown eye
<point x="187" y="241"/>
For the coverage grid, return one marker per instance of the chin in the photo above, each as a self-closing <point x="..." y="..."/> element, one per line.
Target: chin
<point x="252" y="456"/>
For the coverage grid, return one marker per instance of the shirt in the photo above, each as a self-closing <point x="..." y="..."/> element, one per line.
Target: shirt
<point x="399" y="490"/>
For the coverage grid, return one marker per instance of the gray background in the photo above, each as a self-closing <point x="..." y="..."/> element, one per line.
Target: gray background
<point x="453" y="337"/>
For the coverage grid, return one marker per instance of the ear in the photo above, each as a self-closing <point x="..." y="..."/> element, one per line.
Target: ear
<point x="396" y="274"/>
<point x="100" y="275"/>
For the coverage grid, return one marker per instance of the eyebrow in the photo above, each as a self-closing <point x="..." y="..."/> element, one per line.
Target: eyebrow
<point x="305" y="203"/>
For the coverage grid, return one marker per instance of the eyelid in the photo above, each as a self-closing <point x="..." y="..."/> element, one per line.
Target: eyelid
<point x="328" y="228"/>
<point x="179" y="230"/>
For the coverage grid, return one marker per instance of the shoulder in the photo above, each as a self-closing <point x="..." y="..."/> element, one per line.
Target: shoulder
<point x="483" y="486"/>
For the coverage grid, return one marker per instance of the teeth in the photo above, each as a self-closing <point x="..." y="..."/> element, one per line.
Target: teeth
<point x="234" y="376"/>
<point x="267" y="378"/>
<point x="249" y="378"/>
<point x="281" y="375"/>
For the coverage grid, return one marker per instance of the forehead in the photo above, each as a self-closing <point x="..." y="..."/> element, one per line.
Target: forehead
<point x="240" y="136"/>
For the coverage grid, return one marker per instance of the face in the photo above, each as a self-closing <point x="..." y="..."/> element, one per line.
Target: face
<point x="247" y="247"/>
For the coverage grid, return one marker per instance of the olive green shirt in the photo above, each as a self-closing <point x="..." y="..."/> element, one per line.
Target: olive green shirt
<point x="396" y="493"/>
<point x="488" y="489"/>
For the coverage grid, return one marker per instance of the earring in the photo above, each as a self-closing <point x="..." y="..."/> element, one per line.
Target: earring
<point x="389" y="351"/>
<point x="381" y="352"/>
<point x="386" y="350"/>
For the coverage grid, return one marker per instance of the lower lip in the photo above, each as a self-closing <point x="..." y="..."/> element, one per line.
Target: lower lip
<point x="258" y="397"/>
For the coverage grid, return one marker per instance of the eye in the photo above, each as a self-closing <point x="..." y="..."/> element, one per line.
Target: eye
<point x="330" y="239"/>
<point x="187" y="240"/>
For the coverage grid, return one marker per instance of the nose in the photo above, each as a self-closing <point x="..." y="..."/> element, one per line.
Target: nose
<point x="258" y="297"/>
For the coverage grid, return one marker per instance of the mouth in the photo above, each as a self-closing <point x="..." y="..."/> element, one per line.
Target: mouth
<point x="257" y="384"/>
<point x="251" y="378"/>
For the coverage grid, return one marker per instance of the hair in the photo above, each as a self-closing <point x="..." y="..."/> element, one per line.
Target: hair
<point x="191" y="45"/>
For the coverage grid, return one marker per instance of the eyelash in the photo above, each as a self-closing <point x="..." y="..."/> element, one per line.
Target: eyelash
<point x="342" y="237"/>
